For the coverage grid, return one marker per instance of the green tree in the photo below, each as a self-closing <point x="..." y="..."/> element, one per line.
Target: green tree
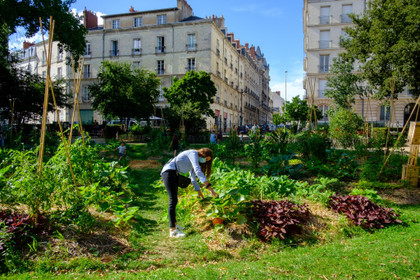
<point x="344" y="126"/>
<point x="343" y="84"/>
<point x="23" y="95"/>
<point x="385" y="40"/>
<point x="191" y="97"/>
<point x="124" y="93"/>
<point x="67" y="30"/>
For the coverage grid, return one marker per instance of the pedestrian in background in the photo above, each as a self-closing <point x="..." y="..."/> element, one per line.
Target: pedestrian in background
<point x="174" y="143"/>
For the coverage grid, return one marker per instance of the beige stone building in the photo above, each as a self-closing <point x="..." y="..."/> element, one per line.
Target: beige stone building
<point x="171" y="42"/>
<point x="324" y="22"/>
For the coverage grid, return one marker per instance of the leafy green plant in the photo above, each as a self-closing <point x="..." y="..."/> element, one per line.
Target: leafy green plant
<point x="279" y="165"/>
<point x="370" y="194"/>
<point x="344" y="125"/>
<point x="319" y="191"/>
<point x="254" y="149"/>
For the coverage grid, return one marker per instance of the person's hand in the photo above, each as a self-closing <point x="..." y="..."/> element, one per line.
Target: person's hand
<point x="213" y="193"/>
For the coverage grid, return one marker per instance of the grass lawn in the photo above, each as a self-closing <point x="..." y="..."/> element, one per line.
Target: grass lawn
<point x="148" y="253"/>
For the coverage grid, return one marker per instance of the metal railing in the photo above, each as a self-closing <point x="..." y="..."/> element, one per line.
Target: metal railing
<point x="191" y="47"/>
<point x="113" y="52"/>
<point x="324" y="68"/>
<point x="136" y="51"/>
<point x="324" y="19"/>
<point x="345" y="18"/>
<point x="324" y="44"/>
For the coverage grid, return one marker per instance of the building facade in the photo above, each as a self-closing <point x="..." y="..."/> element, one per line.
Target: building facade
<point x="172" y="42"/>
<point x="324" y="22"/>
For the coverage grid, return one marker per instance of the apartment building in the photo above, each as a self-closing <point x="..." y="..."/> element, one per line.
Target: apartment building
<point x="324" y="22"/>
<point x="171" y="42"/>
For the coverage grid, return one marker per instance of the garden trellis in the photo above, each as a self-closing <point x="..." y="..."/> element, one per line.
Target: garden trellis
<point x="48" y="86"/>
<point x="76" y="107"/>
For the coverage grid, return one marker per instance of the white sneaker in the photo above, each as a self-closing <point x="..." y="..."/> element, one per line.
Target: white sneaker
<point x="176" y="233"/>
<point x="178" y="227"/>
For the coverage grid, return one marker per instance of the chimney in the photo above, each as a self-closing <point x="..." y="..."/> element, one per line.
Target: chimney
<point x="252" y="52"/>
<point x="132" y="10"/>
<point x="246" y="46"/>
<point x="90" y="20"/>
<point x="27" y="45"/>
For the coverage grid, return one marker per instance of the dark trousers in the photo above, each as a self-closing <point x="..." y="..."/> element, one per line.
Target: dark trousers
<point x="169" y="179"/>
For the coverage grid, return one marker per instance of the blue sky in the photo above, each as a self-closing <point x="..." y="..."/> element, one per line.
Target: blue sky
<point x="274" y="25"/>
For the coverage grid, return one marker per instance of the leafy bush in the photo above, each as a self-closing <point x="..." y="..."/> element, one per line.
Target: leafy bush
<point x="344" y="126"/>
<point x="364" y="212"/>
<point x="101" y="184"/>
<point x="340" y="164"/>
<point x="370" y="194"/>
<point x="313" y="145"/>
<point x="254" y="150"/>
<point x="279" y="165"/>
<point x="371" y="168"/>
<point x="320" y="191"/>
<point x="278" y="219"/>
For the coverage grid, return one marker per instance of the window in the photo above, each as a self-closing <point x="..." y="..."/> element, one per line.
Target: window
<point x="114" y="48"/>
<point x="321" y="89"/>
<point x="191" y="42"/>
<point x="86" y="71"/>
<point x="59" y="73"/>
<point x="191" y="64"/>
<point x="87" y="50"/>
<point x="324" y="63"/>
<point x="324" y="39"/>
<point x="161" y="19"/>
<point x="29" y="68"/>
<point x="85" y="95"/>
<point x="136" y="64"/>
<point x="160" y="44"/>
<point x="385" y="113"/>
<point x="325" y="16"/>
<point x="43" y="58"/>
<point x="136" y="46"/>
<point x="115" y="24"/>
<point x="160" y="67"/>
<point x="59" y="54"/>
<point x="217" y="48"/>
<point x="346" y="10"/>
<point x="44" y="74"/>
<point x="161" y="97"/>
<point x="138" y="21"/>
<point x="323" y="109"/>
<point x="344" y="36"/>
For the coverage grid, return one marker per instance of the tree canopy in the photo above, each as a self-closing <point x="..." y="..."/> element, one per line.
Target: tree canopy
<point x="67" y="30"/>
<point x="191" y="97"/>
<point x="123" y="92"/>
<point x="343" y="85"/>
<point x="22" y="94"/>
<point x="385" y="40"/>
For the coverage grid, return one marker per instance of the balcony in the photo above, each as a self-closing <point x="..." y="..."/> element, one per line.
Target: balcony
<point x="87" y="54"/>
<point x="324" y="19"/>
<point x="160" y="49"/>
<point x="324" y="44"/>
<point x="191" y="47"/>
<point x="87" y="75"/>
<point x="136" y="51"/>
<point x="160" y="71"/>
<point x="345" y="18"/>
<point x="324" y="68"/>
<point x="113" y="53"/>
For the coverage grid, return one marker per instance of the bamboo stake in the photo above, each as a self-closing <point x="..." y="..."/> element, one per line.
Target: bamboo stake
<point x="390" y="117"/>
<point x="45" y="110"/>
<point x="402" y="131"/>
<point x="77" y="83"/>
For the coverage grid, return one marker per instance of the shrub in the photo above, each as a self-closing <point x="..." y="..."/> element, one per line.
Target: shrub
<point x="344" y="126"/>
<point x="319" y="191"/>
<point x="314" y="145"/>
<point x="278" y="219"/>
<point x="370" y="194"/>
<point x="364" y="212"/>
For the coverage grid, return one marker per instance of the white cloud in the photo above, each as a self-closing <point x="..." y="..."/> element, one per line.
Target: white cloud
<point x="16" y="40"/>
<point x="294" y="88"/>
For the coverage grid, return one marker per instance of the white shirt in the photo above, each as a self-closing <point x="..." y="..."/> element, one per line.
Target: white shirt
<point x="187" y="161"/>
<point x="121" y="149"/>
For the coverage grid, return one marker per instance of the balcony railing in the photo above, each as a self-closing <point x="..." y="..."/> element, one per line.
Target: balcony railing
<point x="160" y="49"/>
<point x="87" y="75"/>
<point x="113" y="53"/>
<point x="324" y="44"/>
<point x="217" y="99"/>
<point x="136" y="51"/>
<point x="160" y="71"/>
<point x="87" y="53"/>
<point x="218" y="73"/>
<point x="217" y="52"/>
<point x="191" y="47"/>
<point x="324" y="19"/>
<point x="190" y="68"/>
<point x="345" y="18"/>
<point x="324" y="68"/>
